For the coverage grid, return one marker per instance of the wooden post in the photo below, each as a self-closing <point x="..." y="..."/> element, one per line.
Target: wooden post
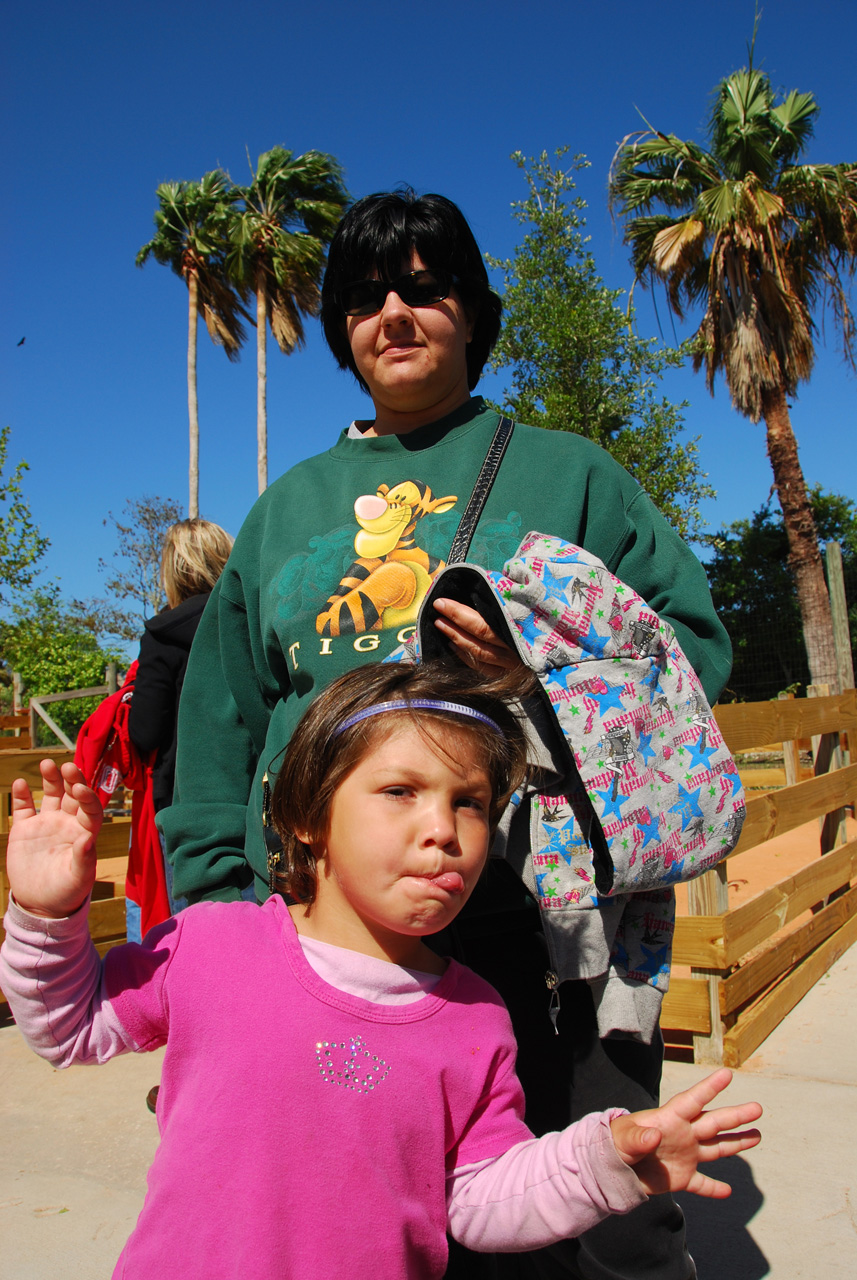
<point x="839" y="609"/>
<point x="791" y="754"/>
<point x="822" y="747"/>
<point x="827" y="756"/>
<point x="17" y="697"/>
<point x="110" y="677"/>
<point x="709" y="896"/>
<point x="841" y="629"/>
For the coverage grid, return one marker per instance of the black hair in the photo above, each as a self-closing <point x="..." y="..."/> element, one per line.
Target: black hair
<point x="379" y="233"/>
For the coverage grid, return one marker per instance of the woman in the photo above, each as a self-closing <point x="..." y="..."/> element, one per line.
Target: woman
<point x="192" y="559"/>
<point x="330" y="568"/>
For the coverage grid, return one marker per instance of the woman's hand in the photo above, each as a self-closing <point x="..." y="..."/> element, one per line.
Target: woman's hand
<point x="665" y="1145"/>
<point x="472" y="639"/>
<point x="51" y="859"/>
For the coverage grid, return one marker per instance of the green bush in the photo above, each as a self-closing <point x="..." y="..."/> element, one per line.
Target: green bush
<point x="50" y="645"/>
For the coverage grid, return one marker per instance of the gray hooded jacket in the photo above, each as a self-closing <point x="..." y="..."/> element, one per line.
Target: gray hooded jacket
<point x="633" y="787"/>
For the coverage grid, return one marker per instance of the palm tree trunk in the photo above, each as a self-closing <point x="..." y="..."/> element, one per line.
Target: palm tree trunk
<point x="192" y="407"/>
<point x="261" y="387"/>
<point x="804" y="555"/>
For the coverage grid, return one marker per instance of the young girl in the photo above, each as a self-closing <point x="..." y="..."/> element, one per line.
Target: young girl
<point x="335" y="1096"/>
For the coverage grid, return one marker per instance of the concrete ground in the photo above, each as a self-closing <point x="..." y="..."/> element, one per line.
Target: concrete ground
<point x="793" y="1210"/>
<point x="75" y="1146"/>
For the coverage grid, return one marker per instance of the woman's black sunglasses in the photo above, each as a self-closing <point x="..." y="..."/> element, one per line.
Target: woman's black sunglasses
<point x="416" y="289"/>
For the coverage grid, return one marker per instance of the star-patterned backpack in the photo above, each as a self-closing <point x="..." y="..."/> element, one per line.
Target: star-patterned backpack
<point x="650" y="794"/>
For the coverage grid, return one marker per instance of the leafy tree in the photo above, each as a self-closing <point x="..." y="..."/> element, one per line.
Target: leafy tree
<point x="755" y="594"/>
<point x="279" y="236"/>
<point x="137" y="573"/>
<point x="53" y="649"/>
<point x="757" y="240"/>
<point x="21" y="544"/>
<point x="577" y="364"/>
<point x="192" y="224"/>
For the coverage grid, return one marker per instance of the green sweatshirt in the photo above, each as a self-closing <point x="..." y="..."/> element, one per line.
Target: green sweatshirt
<point x="329" y="570"/>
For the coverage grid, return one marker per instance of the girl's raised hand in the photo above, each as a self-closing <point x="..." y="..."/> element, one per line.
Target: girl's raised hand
<point x="666" y="1144"/>
<point x="51" y="860"/>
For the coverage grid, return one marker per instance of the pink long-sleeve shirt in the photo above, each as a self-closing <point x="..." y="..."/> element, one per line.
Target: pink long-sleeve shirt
<point x="307" y="1130"/>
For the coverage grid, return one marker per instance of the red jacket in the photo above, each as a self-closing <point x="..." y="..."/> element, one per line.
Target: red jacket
<point x="106" y="756"/>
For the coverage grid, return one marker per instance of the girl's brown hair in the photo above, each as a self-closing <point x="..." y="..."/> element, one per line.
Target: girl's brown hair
<point x="319" y="759"/>
<point x="192" y="559"/>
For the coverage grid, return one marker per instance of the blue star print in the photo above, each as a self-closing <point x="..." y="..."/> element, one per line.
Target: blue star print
<point x="734" y="779"/>
<point x="530" y="630"/>
<point x="554" y="843"/>
<point x="699" y="754"/>
<point x="556" y="676"/>
<point x="646" y="750"/>
<point x="593" y="643"/>
<point x="612" y="808"/>
<point x="555" y="585"/>
<point x="652" y="681"/>
<point x="655" y="962"/>
<point x="672" y="873"/>
<point x="687" y="805"/>
<point x="609" y="699"/>
<point x="650" y="829"/>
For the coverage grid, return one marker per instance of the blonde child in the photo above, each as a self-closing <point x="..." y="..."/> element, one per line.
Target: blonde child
<point x="335" y="1097"/>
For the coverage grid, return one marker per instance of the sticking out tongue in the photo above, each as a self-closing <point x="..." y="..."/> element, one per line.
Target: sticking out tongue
<point x="449" y="880"/>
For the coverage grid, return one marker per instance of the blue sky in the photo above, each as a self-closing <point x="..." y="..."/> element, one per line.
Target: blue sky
<point x="104" y="101"/>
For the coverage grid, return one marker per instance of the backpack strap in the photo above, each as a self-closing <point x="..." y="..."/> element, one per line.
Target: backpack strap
<point x="484" y="481"/>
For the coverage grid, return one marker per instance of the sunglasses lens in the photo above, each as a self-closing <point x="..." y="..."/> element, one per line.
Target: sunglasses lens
<point x="416" y="289"/>
<point x="422" y="288"/>
<point x="363" y="298"/>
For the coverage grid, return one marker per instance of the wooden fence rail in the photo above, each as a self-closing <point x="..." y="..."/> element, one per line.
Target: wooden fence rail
<point x="15" y="732"/>
<point x="747" y="973"/>
<point x="19" y="730"/>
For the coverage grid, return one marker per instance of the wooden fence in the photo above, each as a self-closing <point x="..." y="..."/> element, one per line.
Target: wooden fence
<point x="15" y="732"/>
<point x="748" y="969"/>
<point x="19" y="730"/>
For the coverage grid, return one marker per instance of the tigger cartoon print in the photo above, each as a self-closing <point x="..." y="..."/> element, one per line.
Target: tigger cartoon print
<point x="387" y="583"/>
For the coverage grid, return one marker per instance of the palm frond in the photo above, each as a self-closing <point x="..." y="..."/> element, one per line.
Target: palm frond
<point x="659" y="169"/>
<point x="761" y="242"/>
<point x="278" y="237"/>
<point x="192" y="225"/>
<point x="740" y="128"/>
<point x="758" y="205"/>
<point x="717" y="205"/>
<point x="794" y="119"/>
<point x="674" y="247"/>
<point x="826" y="195"/>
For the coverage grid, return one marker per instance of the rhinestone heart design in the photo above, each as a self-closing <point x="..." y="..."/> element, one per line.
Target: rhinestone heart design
<point x="350" y="1064"/>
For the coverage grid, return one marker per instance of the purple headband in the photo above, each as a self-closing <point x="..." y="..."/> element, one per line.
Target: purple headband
<point x="422" y="704"/>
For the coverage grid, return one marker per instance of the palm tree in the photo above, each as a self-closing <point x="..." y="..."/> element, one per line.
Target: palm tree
<point x="192" y="221"/>
<point x="290" y="211"/>
<point x="758" y="240"/>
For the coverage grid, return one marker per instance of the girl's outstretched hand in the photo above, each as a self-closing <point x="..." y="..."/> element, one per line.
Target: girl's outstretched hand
<point x="51" y="855"/>
<point x="666" y="1144"/>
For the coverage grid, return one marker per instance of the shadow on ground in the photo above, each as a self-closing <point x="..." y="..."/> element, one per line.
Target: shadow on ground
<point x="717" y="1230"/>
